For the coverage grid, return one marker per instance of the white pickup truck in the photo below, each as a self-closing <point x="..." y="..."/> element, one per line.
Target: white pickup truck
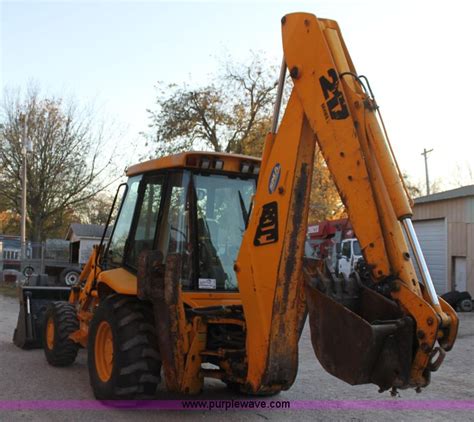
<point x="349" y="255"/>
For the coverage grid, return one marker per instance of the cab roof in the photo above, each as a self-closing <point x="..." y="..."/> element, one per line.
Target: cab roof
<point x="198" y="159"/>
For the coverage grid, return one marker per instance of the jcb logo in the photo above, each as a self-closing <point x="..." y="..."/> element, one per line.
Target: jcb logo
<point x="335" y="101"/>
<point x="267" y="230"/>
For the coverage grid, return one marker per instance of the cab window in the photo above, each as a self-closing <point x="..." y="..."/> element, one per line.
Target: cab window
<point x="175" y="232"/>
<point x="116" y="246"/>
<point x="356" y="246"/>
<point x="148" y="208"/>
<point x="222" y="207"/>
<point x="346" y="249"/>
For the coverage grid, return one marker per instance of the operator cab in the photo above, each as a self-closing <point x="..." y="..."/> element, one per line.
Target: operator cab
<point x="195" y="205"/>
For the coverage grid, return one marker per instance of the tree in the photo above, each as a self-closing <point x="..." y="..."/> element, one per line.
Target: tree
<point x="66" y="169"/>
<point x="325" y="202"/>
<point x="414" y="189"/>
<point x="462" y="175"/>
<point x="231" y="114"/>
<point x="417" y="189"/>
<point x="96" y="210"/>
<point x="9" y="222"/>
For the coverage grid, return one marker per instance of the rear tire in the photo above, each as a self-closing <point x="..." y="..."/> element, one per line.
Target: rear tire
<point x="123" y="358"/>
<point x="60" y="321"/>
<point x="69" y="276"/>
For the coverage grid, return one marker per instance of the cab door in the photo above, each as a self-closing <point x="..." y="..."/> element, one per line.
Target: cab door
<point x="135" y="228"/>
<point x="144" y="225"/>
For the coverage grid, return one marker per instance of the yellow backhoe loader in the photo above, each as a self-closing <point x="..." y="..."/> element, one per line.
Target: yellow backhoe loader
<point x="204" y="275"/>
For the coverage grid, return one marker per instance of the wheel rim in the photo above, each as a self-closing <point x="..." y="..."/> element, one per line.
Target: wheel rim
<point x="466" y="305"/>
<point x="50" y="333"/>
<point x="104" y="351"/>
<point x="71" y="278"/>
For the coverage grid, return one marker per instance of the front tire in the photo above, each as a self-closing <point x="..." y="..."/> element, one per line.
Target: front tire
<point x="60" y="321"/>
<point x="123" y="358"/>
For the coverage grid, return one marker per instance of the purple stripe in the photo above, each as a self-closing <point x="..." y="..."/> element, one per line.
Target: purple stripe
<point x="396" y="404"/>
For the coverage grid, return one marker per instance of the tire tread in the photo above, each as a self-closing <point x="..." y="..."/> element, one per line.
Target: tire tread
<point x="139" y="367"/>
<point x="64" y="350"/>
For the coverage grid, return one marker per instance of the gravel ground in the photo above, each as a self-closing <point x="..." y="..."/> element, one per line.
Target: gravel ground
<point x="25" y="375"/>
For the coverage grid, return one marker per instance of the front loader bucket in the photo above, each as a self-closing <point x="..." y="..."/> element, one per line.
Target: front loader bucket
<point x="33" y="303"/>
<point x="370" y="343"/>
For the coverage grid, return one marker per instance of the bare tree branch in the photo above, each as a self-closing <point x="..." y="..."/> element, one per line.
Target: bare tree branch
<point x="220" y="116"/>
<point x="66" y="168"/>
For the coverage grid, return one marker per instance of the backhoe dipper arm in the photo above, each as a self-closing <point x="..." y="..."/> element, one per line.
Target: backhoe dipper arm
<point x="329" y="106"/>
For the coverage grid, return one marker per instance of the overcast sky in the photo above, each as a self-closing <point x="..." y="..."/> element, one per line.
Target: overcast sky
<point x="416" y="54"/>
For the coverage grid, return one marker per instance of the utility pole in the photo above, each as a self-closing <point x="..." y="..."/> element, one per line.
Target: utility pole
<point x="25" y="148"/>
<point x="425" y="153"/>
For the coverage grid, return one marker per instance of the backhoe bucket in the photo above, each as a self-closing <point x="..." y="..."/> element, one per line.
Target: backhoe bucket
<point x="370" y="343"/>
<point x="33" y="303"/>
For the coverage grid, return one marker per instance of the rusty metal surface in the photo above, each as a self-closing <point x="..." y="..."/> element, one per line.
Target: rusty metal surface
<point x="282" y="364"/>
<point x="162" y="289"/>
<point x="449" y="333"/>
<point x="150" y="269"/>
<point x="289" y="310"/>
<point x="373" y="345"/>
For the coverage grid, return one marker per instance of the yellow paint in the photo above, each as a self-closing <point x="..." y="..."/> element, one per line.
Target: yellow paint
<point x="337" y="139"/>
<point x="50" y="333"/>
<point x="261" y="272"/>
<point x="192" y="380"/>
<point x="204" y="299"/>
<point x="104" y="351"/>
<point x="119" y="280"/>
<point x="232" y="162"/>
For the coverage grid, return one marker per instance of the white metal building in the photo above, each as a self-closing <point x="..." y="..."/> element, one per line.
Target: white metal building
<point x="83" y="237"/>
<point x="444" y="223"/>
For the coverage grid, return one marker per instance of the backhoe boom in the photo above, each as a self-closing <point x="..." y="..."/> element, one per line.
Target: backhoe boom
<point x="329" y="106"/>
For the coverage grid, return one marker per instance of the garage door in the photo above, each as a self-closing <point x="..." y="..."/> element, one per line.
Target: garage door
<point x="433" y="242"/>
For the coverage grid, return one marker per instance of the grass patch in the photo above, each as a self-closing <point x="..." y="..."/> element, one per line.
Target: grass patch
<point x="9" y="290"/>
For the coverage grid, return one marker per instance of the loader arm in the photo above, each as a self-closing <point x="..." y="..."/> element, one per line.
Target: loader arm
<point x="403" y="318"/>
